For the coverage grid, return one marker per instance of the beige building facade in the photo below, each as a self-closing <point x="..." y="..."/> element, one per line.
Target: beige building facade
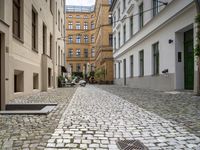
<point x="89" y="39"/>
<point x="32" y="50"/>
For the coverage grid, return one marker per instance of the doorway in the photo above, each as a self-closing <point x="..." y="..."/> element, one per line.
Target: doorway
<point x="124" y="71"/>
<point x="188" y="60"/>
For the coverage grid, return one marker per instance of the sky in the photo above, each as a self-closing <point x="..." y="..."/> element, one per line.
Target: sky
<point x="80" y="2"/>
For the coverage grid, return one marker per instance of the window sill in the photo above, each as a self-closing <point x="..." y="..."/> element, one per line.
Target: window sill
<point x="18" y="39"/>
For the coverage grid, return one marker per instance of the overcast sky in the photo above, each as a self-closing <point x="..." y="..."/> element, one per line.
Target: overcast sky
<point x="80" y="2"/>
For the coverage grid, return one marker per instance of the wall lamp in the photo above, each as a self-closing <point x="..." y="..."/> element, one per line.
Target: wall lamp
<point x="170" y="41"/>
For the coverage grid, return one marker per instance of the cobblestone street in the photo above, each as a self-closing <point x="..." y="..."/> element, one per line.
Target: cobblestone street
<point x="32" y="131"/>
<point x="183" y="107"/>
<point x="96" y="119"/>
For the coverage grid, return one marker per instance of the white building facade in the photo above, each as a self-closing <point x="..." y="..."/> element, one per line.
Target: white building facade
<point x="153" y="44"/>
<point x="31" y="46"/>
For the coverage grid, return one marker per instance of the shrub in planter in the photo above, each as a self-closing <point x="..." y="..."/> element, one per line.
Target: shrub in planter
<point x="61" y="79"/>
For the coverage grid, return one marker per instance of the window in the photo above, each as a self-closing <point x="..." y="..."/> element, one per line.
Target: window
<point x="78" y="53"/>
<point x="85" y="17"/>
<point x="78" y="67"/>
<point x="119" y="70"/>
<point x="70" y="25"/>
<point x="131" y="26"/>
<point x="86" y="53"/>
<point x="71" y="67"/>
<point x="155" y="58"/>
<point x="35" y="81"/>
<point x="115" y="71"/>
<point x="114" y="20"/>
<point x="124" y="5"/>
<point x="86" y="38"/>
<point x="78" y="17"/>
<point x="70" y="39"/>
<point x="59" y="20"/>
<point x="141" y="59"/>
<point x="49" y="77"/>
<point x="50" y="45"/>
<point x="92" y="25"/>
<point x="92" y="38"/>
<point x="17" y="18"/>
<point x="56" y="12"/>
<point x="18" y="81"/>
<point x="70" y="16"/>
<point x="92" y="52"/>
<point x="110" y="39"/>
<point x="141" y="16"/>
<point x="78" y="26"/>
<point x="78" y="39"/>
<point x="124" y="29"/>
<point x="119" y="13"/>
<point x="61" y="27"/>
<point x="119" y="40"/>
<point x="56" y="54"/>
<point x="44" y="38"/>
<point x="131" y="66"/>
<point x="110" y="2"/>
<point x="34" y="30"/>
<point x="155" y="7"/>
<point x="85" y="25"/>
<point x="51" y="6"/>
<point x="114" y="43"/>
<point x="70" y="53"/>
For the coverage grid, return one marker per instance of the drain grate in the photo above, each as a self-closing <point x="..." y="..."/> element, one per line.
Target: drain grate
<point x="131" y="145"/>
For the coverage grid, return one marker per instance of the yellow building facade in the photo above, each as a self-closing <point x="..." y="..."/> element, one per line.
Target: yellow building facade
<point x="89" y="40"/>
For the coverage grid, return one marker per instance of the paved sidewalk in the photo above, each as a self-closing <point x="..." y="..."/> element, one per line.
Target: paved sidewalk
<point x="31" y="132"/>
<point x="96" y="119"/>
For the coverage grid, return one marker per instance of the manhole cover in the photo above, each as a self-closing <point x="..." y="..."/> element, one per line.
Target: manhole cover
<point x="131" y="145"/>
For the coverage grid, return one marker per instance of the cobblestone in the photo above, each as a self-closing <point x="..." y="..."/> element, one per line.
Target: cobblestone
<point x="181" y="107"/>
<point x="33" y="131"/>
<point x="111" y="118"/>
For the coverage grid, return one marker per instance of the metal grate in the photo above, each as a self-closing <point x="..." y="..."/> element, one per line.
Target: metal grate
<point x="131" y="145"/>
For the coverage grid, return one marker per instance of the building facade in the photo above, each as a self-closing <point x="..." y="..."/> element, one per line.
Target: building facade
<point x="89" y="39"/>
<point x="31" y="52"/>
<point x="80" y="48"/>
<point x="153" y="44"/>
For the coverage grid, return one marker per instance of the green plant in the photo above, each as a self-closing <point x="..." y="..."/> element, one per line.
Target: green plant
<point x="61" y="79"/>
<point x="100" y="74"/>
<point x="197" y="46"/>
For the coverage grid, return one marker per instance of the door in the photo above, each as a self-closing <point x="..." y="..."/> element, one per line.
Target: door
<point x="124" y="71"/>
<point x="189" y="60"/>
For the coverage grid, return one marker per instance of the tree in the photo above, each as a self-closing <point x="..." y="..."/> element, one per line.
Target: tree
<point x="197" y="47"/>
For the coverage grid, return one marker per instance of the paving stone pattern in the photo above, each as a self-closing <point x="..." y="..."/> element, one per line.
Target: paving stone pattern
<point x="31" y="132"/>
<point x="96" y="119"/>
<point x="183" y="107"/>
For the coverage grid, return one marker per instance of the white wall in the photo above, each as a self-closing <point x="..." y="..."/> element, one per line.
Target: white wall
<point x="158" y="29"/>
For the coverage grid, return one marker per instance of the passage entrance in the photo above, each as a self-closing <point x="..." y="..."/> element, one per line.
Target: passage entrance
<point x="189" y="60"/>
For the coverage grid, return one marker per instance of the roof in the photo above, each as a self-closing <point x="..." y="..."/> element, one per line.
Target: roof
<point x="72" y="8"/>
